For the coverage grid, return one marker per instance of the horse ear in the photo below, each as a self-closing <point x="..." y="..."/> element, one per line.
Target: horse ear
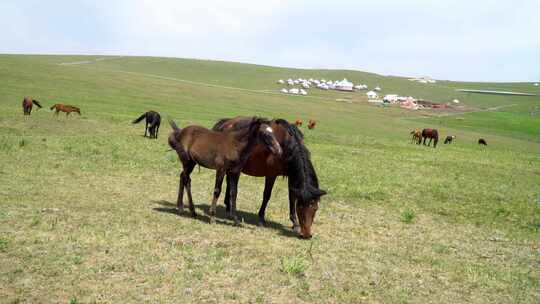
<point x="320" y="192"/>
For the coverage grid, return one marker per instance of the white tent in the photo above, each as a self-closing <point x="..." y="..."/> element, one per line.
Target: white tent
<point x="303" y="92"/>
<point x="392" y="98"/>
<point x="284" y="91"/>
<point x="455" y="101"/>
<point x="294" y="91"/>
<point x="281" y="81"/>
<point x="372" y="95"/>
<point x="377" y="89"/>
<point x="344" y="85"/>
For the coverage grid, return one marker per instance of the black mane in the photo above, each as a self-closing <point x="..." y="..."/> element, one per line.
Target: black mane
<point x="300" y="170"/>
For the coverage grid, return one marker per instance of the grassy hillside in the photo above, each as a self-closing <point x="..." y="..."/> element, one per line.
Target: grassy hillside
<point x="87" y="211"/>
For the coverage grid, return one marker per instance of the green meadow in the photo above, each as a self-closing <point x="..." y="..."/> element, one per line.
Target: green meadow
<point x="87" y="209"/>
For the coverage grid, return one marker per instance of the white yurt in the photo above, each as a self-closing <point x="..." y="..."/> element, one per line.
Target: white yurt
<point x="344" y="85"/>
<point x="281" y="81"/>
<point x="284" y="91"/>
<point x="303" y="92"/>
<point x="372" y="95"/>
<point x="294" y="91"/>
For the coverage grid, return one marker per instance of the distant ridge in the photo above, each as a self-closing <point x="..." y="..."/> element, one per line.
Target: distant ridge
<point x="495" y="92"/>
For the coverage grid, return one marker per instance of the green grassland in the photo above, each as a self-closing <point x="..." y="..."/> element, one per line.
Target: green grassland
<point x="88" y="205"/>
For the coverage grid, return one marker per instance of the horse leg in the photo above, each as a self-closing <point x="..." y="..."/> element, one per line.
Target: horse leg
<point x="292" y="209"/>
<point x="430" y="139"/>
<point x="268" y="186"/>
<point x="180" y="199"/>
<point x="233" y="192"/>
<point x="217" y="190"/>
<point x="227" y="195"/>
<point x="187" y="182"/>
<point x="145" y="127"/>
<point x="156" y="132"/>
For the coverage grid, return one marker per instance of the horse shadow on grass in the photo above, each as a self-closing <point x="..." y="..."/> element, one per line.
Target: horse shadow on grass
<point x="221" y="217"/>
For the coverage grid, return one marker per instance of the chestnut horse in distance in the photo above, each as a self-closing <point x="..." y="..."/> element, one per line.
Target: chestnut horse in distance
<point x="432" y="134"/>
<point x="416" y="136"/>
<point x="27" y="104"/>
<point x="65" y="108"/>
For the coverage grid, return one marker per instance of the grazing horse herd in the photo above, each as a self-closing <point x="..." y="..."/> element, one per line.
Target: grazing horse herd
<point x="311" y="123"/>
<point x="420" y="137"/>
<point x="251" y="145"/>
<point x="28" y="102"/>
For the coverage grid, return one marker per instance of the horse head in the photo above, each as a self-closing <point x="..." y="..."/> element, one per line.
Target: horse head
<point x="307" y="205"/>
<point x="267" y="137"/>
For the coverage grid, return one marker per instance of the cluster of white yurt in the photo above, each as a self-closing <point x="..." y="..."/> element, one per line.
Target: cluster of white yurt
<point x="323" y="84"/>
<point x="360" y="87"/>
<point x="294" y="91"/>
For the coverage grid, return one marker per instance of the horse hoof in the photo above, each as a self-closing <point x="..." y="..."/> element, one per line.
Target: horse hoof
<point x="261" y="223"/>
<point x="180" y="210"/>
<point x="212" y="220"/>
<point x="193" y="214"/>
<point x="297" y="229"/>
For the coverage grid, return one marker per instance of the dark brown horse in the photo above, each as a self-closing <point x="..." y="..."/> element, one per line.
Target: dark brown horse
<point x="295" y="163"/>
<point x="27" y="105"/>
<point x="482" y="141"/>
<point x="432" y="134"/>
<point x="153" y="119"/>
<point x="311" y="124"/>
<point x="65" y="108"/>
<point x="226" y="152"/>
<point x="416" y="136"/>
<point x="449" y="139"/>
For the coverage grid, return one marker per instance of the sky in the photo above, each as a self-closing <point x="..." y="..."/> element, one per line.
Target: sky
<point x="480" y="40"/>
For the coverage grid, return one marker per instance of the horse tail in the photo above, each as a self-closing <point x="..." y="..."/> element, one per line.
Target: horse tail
<point x="36" y="103"/>
<point x="140" y="118"/>
<point x="174" y="126"/>
<point x="219" y="125"/>
<point x="175" y="136"/>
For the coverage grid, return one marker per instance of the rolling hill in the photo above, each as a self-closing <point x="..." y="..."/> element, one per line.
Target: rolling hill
<point x="88" y="204"/>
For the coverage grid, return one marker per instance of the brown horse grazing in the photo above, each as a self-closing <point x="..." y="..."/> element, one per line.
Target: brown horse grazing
<point x="311" y="125"/>
<point x="298" y="122"/>
<point x="482" y="141"/>
<point x="416" y="136"/>
<point x="449" y="139"/>
<point x="295" y="163"/>
<point x="432" y="134"/>
<point x="225" y="152"/>
<point x="27" y="105"/>
<point x="65" y="108"/>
